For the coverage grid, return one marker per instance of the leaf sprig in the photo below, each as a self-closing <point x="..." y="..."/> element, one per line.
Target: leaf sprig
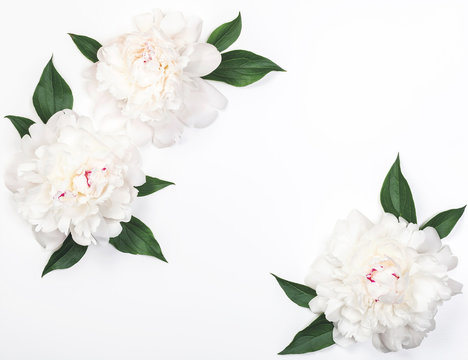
<point x="238" y="67"/>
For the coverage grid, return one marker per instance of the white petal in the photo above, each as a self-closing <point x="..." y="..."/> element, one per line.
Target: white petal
<point x="431" y="242"/>
<point x="140" y="132"/>
<point x="200" y="104"/>
<point x="172" y="23"/>
<point x="192" y="31"/>
<point x="318" y="304"/>
<point x="319" y="272"/>
<point x="445" y="257"/>
<point x="342" y="340"/>
<point x="204" y="59"/>
<point x="114" y="228"/>
<point x="144" y="22"/>
<point x="378" y="344"/>
<point x="81" y="238"/>
<point x="50" y="240"/>
<point x="166" y="133"/>
<point x="157" y="17"/>
<point x="210" y="94"/>
<point x="455" y="286"/>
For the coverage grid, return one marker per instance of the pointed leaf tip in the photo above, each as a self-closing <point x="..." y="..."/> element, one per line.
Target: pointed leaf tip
<point x="87" y="46"/>
<point x="226" y="34"/>
<point x="445" y="221"/>
<point x="297" y="293"/>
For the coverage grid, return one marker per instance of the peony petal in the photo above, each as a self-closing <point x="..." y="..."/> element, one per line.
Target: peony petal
<point x="157" y="17"/>
<point x="139" y="131"/>
<point x="378" y="344"/>
<point x="455" y="286"/>
<point x="318" y="304"/>
<point x="172" y="23"/>
<point x="204" y="59"/>
<point x="191" y="33"/>
<point x="445" y="257"/>
<point x="340" y="339"/>
<point x="166" y="133"/>
<point x="319" y="272"/>
<point x="431" y="241"/>
<point x="144" y="22"/>
<point x="81" y="238"/>
<point x="51" y="241"/>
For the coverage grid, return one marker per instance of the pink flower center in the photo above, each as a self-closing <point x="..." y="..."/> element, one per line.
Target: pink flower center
<point x="148" y="53"/>
<point x="86" y="174"/>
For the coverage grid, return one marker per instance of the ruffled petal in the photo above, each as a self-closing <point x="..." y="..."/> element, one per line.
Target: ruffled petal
<point x="50" y="241"/>
<point x="167" y="133"/>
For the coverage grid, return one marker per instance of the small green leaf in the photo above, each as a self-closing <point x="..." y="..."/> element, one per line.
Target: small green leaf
<point x="21" y="124"/>
<point x="316" y="336"/>
<point x="68" y="255"/>
<point x="152" y="185"/>
<point x="298" y="293"/>
<point x="225" y="35"/>
<point x="241" y="68"/>
<point x="88" y="46"/>
<point x="136" y="238"/>
<point x="445" y="221"/>
<point x="395" y="196"/>
<point x="52" y="93"/>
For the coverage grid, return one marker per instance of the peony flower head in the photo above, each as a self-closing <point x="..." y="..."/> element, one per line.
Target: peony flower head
<point x="72" y="177"/>
<point x="382" y="281"/>
<point x="154" y="75"/>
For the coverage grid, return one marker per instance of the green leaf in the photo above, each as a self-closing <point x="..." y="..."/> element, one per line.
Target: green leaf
<point x="52" y="93"/>
<point x="225" y="35"/>
<point x="445" y="221"/>
<point x="88" y="46"/>
<point x="21" y="124"/>
<point x="68" y="255"/>
<point x="298" y="293"/>
<point x="395" y="195"/>
<point x="136" y="238"/>
<point x="316" y="336"/>
<point x="152" y="185"/>
<point x="241" y="68"/>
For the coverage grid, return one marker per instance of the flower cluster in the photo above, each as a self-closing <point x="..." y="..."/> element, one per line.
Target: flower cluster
<point x="154" y="75"/>
<point x="379" y="281"/>
<point x="382" y="281"/>
<point x="72" y="178"/>
<point x="76" y="178"/>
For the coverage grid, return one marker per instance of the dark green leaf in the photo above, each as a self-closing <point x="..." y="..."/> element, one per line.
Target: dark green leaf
<point x="68" y="255"/>
<point x="298" y="293"/>
<point x="395" y="195"/>
<point x="88" y="46"/>
<point x="225" y="35"/>
<point x="136" y="238"/>
<point x="52" y="93"/>
<point x="152" y="185"/>
<point x="445" y="221"/>
<point x="21" y="124"/>
<point x="316" y="336"/>
<point x="241" y="68"/>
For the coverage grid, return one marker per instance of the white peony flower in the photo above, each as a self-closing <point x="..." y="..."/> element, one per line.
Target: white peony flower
<point x="73" y="178"/>
<point x="154" y="75"/>
<point x="382" y="281"/>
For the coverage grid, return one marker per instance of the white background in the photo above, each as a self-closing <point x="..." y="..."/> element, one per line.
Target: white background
<point x="257" y="192"/>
